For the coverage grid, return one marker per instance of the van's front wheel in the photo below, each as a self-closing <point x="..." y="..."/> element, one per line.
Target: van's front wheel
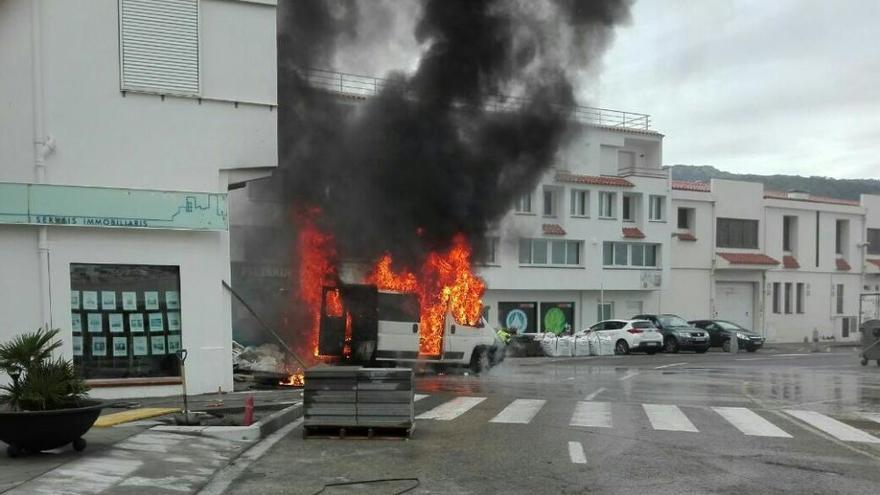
<point x="479" y="361"/>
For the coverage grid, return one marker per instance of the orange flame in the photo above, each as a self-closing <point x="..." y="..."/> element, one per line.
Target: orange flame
<point x="317" y="268"/>
<point x="296" y="379"/>
<point x="445" y="284"/>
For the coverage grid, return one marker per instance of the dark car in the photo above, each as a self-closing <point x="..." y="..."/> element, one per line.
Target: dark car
<point x="721" y="331"/>
<point x="678" y="334"/>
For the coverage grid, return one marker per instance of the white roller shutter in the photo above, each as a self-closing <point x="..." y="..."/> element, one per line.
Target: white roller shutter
<point x="159" y="45"/>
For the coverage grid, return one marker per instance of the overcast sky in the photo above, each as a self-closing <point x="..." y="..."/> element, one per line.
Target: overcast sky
<point x="756" y="86"/>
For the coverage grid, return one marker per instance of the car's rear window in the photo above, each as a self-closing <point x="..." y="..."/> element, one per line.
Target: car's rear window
<point x="642" y="324"/>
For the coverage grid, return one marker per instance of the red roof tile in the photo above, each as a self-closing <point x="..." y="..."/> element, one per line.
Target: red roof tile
<point x="685" y="237"/>
<point x="842" y="265"/>
<point x="790" y="262"/>
<point x="602" y="180"/>
<point x="875" y="262"/>
<point x="633" y="233"/>
<point x="811" y="199"/>
<point x="553" y="229"/>
<point x="688" y="185"/>
<point x="748" y="259"/>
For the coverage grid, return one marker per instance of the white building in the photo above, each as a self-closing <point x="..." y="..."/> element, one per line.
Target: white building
<point x="592" y="240"/>
<point x="785" y="264"/>
<point x="123" y="125"/>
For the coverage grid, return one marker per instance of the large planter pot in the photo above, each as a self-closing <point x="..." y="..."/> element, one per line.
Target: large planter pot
<point x="34" y="431"/>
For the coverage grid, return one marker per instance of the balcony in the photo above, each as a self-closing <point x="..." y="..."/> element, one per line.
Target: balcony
<point x="660" y="173"/>
<point x="366" y="86"/>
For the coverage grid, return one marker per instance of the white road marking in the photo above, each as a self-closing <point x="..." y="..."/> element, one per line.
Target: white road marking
<point x="596" y="393"/>
<point x="576" y="453"/>
<point x="668" y="366"/>
<point x="836" y="429"/>
<point x="750" y="423"/>
<point x="629" y="375"/>
<point x="520" y="411"/>
<point x="872" y="416"/>
<point x="592" y="414"/>
<point x="419" y="397"/>
<point x="668" y="418"/>
<point x="452" y="409"/>
<point x="220" y="483"/>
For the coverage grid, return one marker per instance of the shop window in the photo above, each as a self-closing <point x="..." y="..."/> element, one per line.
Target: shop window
<point x="126" y="320"/>
<point x="520" y="317"/>
<point x="557" y="317"/>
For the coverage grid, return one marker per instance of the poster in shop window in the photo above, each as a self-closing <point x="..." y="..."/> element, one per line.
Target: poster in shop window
<point x="519" y="317"/>
<point x="136" y="322"/>
<point x="173" y="344"/>
<point x="157" y="343"/>
<point x="77" y="345"/>
<point x="76" y="322"/>
<point x="139" y="346"/>
<point x="99" y="346"/>
<point x="90" y="299"/>
<point x="557" y="317"/>
<point x="115" y="320"/>
<point x="156" y="323"/>
<point x="129" y="301"/>
<point x="173" y="321"/>
<point x="95" y="324"/>
<point x="172" y="299"/>
<point x="108" y="300"/>
<point x="151" y="299"/>
<point x="120" y="347"/>
<point x="74" y="299"/>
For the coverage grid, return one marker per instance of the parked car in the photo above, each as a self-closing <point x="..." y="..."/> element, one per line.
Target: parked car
<point x="630" y="335"/>
<point x="721" y="331"/>
<point x="678" y="334"/>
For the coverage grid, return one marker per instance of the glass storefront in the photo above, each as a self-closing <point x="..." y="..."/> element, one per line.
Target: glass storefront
<point x="126" y="320"/>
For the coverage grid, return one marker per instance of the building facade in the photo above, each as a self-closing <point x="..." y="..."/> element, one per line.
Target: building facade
<point x="787" y="264"/>
<point x="124" y="124"/>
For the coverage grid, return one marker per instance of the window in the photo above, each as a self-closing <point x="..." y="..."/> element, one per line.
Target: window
<point x="737" y="233"/>
<point x="656" y="206"/>
<point x="629" y="254"/>
<point x="126" y="320"/>
<point x="684" y="218"/>
<point x="549" y="203"/>
<point x="605" y="311"/>
<point x="839" y="299"/>
<point x="580" y="203"/>
<point x="873" y="241"/>
<point x="606" y="205"/>
<point x="523" y="203"/>
<point x="788" y="298"/>
<point x="547" y="252"/>
<point x="627" y="213"/>
<point x="789" y="232"/>
<point x="841" y="232"/>
<point x="799" y="304"/>
<point x="491" y="256"/>
<point x="159" y="47"/>
<point x="776" y="289"/>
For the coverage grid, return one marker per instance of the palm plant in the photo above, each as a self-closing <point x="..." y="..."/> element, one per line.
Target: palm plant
<point x="39" y="383"/>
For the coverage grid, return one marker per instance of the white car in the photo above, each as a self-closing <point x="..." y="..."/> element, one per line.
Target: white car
<point x="630" y="335"/>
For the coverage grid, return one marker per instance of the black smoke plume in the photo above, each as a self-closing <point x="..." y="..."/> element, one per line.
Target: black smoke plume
<point x="431" y="156"/>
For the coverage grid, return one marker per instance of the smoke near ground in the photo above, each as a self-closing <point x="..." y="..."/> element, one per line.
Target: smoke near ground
<point x="428" y="157"/>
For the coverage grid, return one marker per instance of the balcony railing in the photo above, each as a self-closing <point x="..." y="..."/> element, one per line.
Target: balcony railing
<point x="366" y="86"/>
<point x="661" y="173"/>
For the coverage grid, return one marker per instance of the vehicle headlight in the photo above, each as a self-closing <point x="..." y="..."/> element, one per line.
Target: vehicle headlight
<point x="741" y="336"/>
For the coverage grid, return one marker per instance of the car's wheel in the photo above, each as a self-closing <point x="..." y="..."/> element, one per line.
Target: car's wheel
<point x="479" y="361"/>
<point x="864" y="362"/>
<point x="621" y="347"/>
<point x="725" y="346"/>
<point x="670" y="345"/>
<point x="79" y="444"/>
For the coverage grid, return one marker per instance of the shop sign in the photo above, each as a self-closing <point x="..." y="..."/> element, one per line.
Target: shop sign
<point x="77" y="206"/>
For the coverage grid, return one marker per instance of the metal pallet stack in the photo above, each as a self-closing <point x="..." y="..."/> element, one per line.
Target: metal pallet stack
<point x="349" y="400"/>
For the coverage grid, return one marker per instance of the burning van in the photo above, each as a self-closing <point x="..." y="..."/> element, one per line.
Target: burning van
<point x="360" y="323"/>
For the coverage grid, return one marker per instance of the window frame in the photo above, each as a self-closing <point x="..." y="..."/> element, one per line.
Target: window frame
<point x="548" y="203"/>
<point x="580" y="197"/>
<point x="727" y="237"/>
<point x="648" y="249"/>
<point x="628" y="208"/>
<point x="788" y="296"/>
<point x="656" y="208"/>
<point x="523" y="204"/>
<point x="873" y="239"/>
<point x="800" y="293"/>
<point x="551" y="245"/>
<point x="839" y="303"/>
<point x="611" y="198"/>
<point x="687" y="218"/>
<point x="777" y="298"/>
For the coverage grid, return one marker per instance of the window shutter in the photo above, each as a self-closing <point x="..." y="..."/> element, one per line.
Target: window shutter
<point x="159" y="46"/>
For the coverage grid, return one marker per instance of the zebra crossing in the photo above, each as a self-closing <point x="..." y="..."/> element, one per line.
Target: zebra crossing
<point x="661" y="417"/>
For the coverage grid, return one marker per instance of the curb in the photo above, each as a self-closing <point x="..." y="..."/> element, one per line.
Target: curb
<point x="252" y="433"/>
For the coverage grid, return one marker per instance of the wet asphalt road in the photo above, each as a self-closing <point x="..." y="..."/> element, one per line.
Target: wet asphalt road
<point x="591" y="425"/>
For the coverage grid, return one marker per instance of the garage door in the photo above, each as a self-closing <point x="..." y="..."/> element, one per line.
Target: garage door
<point x="735" y="301"/>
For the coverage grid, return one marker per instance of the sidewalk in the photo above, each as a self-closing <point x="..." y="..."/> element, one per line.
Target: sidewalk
<point x="131" y="458"/>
